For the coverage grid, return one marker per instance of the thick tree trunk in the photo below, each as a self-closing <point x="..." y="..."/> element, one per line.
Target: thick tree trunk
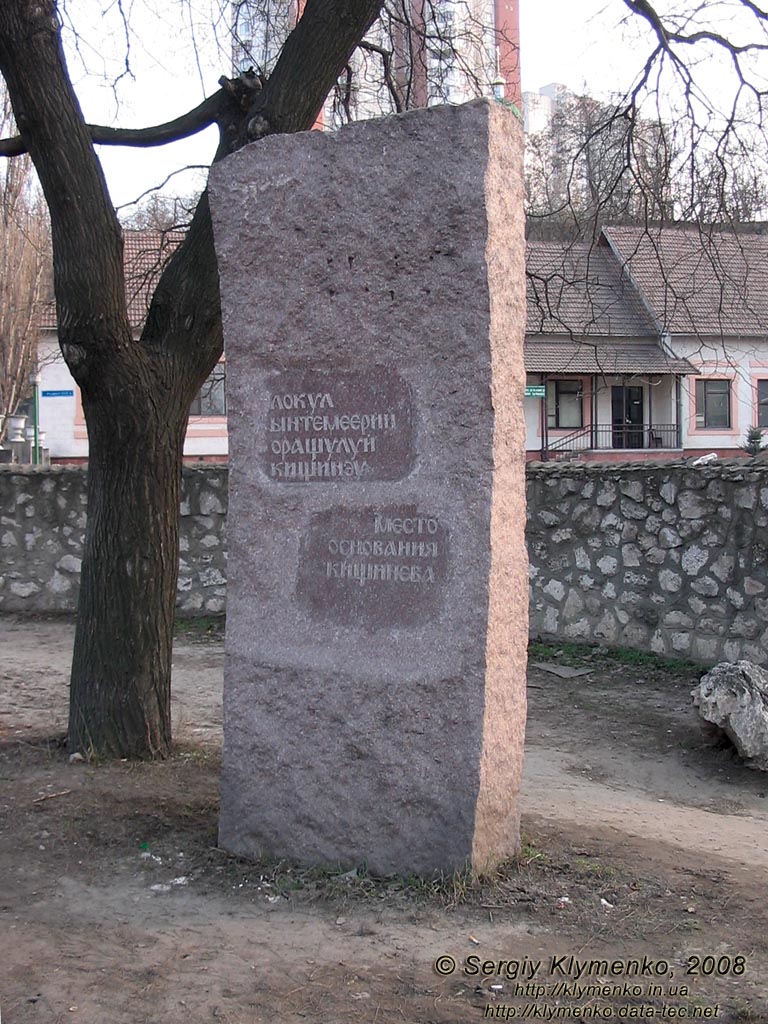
<point x="121" y="669"/>
<point x="136" y="409"/>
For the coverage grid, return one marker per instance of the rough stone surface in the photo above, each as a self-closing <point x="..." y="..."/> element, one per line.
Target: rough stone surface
<point x="701" y="555"/>
<point x="734" y="699"/>
<point x="40" y="569"/>
<point x="376" y="634"/>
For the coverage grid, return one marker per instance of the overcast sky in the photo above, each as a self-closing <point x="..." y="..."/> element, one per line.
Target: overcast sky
<point x="587" y="45"/>
<point x="577" y="44"/>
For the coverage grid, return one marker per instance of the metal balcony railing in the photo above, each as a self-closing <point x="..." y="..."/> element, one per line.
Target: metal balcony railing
<point x="606" y="436"/>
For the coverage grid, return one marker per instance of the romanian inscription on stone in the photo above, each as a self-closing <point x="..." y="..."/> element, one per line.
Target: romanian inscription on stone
<point x="373" y="567"/>
<point x="347" y="427"/>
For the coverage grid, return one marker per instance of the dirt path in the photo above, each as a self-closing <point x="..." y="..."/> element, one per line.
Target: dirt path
<point x="35" y="658"/>
<point x="742" y="840"/>
<point x="117" y="906"/>
<point x="622" y="748"/>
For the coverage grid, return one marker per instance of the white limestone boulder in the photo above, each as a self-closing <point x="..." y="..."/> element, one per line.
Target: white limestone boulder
<point x="734" y="699"/>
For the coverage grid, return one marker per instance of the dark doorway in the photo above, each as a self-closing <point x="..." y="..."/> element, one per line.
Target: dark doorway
<point x="627" y="416"/>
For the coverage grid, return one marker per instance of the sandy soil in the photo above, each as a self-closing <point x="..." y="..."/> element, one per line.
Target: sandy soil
<point x="117" y="905"/>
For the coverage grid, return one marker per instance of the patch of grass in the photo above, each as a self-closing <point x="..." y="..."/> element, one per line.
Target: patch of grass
<point x="592" y="868"/>
<point x="205" y="629"/>
<point x="566" y="653"/>
<point x="532" y="882"/>
<point x="744" y="1015"/>
<point x="581" y="655"/>
<point x="642" y="659"/>
<point x="530" y="853"/>
<point x="334" y="884"/>
<point x="188" y="753"/>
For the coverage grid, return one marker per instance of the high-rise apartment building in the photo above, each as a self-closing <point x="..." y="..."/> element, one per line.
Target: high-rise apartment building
<point x="435" y="51"/>
<point x="539" y="107"/>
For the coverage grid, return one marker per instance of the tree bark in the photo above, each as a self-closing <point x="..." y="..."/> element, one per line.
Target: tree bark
<point x="137" y="393"/>
<point x="121" y="669"/>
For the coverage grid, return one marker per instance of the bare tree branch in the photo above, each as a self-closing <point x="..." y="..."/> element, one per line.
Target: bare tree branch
<point x="201" y="117"/>
<point x="386" y="66"/>
<point x="23" y="259"/>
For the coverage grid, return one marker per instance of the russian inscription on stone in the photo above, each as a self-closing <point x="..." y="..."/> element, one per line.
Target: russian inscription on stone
<point x="345" y="426"/>
<point x="374" y="694"/>
<point x="374" y="567"/>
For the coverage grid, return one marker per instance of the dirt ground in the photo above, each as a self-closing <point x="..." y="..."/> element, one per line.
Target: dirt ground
<point x="639" y="842"/>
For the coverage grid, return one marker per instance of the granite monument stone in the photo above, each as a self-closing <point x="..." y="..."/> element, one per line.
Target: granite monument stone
<point x="373" y="297"/>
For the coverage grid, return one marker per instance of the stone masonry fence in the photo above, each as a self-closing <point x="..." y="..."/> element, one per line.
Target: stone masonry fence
<point x="662" y="557"/>
<point x="42" y="522"/>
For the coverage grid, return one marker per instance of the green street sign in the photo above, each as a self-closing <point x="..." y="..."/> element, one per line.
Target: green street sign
<point x="535" y="390"/>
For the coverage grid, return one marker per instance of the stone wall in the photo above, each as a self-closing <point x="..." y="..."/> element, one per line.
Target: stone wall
<point x="661" y="557"/>
<point x="42" y="522"/>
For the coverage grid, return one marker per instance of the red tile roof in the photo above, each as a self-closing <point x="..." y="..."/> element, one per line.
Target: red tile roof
<point x="145" y="254"/>
<point x="698" y="282"/>
<point x="636" y="284"/>
<point x="579" y="291"/>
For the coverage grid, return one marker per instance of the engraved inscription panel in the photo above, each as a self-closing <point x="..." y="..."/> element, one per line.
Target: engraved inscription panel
<point x="373" y="567"/>
<point x="348" y="427"/>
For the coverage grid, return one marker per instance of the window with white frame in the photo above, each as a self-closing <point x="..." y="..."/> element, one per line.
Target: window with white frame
<point x="565" y="404"/>
<point x="211" y="400"/>
<point x="713" y="403"/>
<point x="762" y="403"/>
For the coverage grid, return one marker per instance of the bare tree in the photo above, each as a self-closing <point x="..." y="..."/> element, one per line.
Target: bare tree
<point x="729" y="183"/>
<point x="417" y="53"/>
<point x="592" y="165"/>
<point x="158" y="212"/>
<point x="23" y="251"/>
<point x="681" y="144"/>
<point x="137" y="394"/>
